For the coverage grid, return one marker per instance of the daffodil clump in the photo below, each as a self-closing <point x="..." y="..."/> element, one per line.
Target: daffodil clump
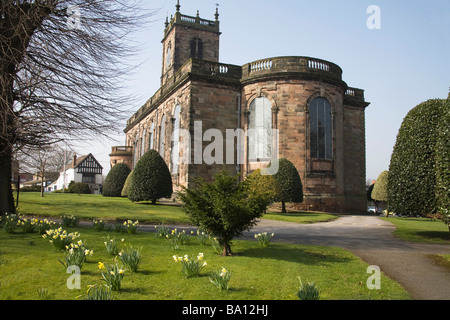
<point x="202" y="237"/>
<point x="43" y="225"/>
<point x="264" y="238"/>
<point x="98" y="224"/>
<point x="178" y="239"/>
<point x="162" y="231"/>
<point x="191" y="267"/>
<point x="70" y="221"/>
<point x="59" y="238"/>
<point x="112" y="275"/>
<point x="76" y="254"/>
<point x="220" y="278"/>
<point x="27" y="225"/>
<point x="10" y="222"/>
<point x="130" y="257"/>
<point x="131" y="226"/>
<point x="111" y="246"/>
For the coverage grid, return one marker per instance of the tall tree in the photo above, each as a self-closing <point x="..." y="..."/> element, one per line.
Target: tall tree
<point x="62" y="70"/>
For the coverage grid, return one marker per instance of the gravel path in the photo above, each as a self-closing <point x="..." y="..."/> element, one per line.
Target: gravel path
<point x="371" y="239"/>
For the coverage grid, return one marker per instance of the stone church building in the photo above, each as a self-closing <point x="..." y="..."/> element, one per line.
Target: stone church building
<point x="297" y="107"/>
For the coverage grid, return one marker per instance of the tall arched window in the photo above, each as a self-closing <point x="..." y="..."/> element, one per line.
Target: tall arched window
<point x="321" y="129"/>
<point x="135" y="150"/>
<point x="260" y="129"/>
<point x="162" y="136"/>
<point x="151" y="137"/>
<point x="175" y="152"/>
<point x="143" y="143"/>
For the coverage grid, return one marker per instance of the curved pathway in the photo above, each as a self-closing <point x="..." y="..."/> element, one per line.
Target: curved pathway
<point x="372" y="240"/>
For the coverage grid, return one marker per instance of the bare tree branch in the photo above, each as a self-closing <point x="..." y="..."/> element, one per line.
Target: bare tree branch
<point x="63" y="70"/>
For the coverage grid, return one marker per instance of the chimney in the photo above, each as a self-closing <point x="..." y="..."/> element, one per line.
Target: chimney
<point x="74" y="161"/>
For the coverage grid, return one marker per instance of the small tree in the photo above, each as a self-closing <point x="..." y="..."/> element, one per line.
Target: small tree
<point x="151" y="179"/>
<point x="224" y="208"/>
<point x="265" y="185"/>
<point x="290" y="187"/>
<point x="115" y="180"/>
<point x="126" y="186"/>
<point x="380" y="191"/>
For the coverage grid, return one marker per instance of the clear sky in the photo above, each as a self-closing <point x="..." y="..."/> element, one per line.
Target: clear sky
<point x="405" y="62"/>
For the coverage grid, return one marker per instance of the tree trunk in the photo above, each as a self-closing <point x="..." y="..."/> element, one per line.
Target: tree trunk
<point x="226" y="250"/>
<point x="283" y="207"/>
<point x="6" y="196"/>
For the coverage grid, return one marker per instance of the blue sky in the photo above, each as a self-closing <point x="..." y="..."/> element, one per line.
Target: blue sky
<point x="402" y="64"/>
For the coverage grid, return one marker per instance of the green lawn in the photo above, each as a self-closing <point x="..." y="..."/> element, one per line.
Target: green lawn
<point x="29" y="264"/>
<point x="89" y="206"/>
<point x="97" y="206"/>
<point x="420" y="229"/>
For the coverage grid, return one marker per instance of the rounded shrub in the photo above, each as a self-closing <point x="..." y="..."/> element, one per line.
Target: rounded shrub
<point x="151" y="179"/>
<point x="115" y="180"/>
<point x="412" y="171"/>
<point x="79" y="188"/>
<point x="442" y="166"/>
<point x="126" y="185"/>
<point x="379" y="192"/>
<point x="290" y="188"/>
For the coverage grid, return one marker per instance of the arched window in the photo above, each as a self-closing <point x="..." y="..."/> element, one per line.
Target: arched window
<point x="135" y="150"/>
<point x="151" y="137"/>
<point x="162" y="136"/>
<point x="175" y="152"/>
<point x="321" y="129"/>
<point x="260" y="129"/>
<point x="143" y="143"/>
<point x="196" y="46"/>
<point x="169" y="56"/>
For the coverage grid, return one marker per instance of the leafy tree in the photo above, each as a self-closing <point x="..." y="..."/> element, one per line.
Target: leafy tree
<point x="63" y="64"/>
<point x="413" y="170"/>
<point x="151" y="179"/>
<point x="115" y="180"/>
<point x="290" y="187"/>
<point x="224" y="207"/>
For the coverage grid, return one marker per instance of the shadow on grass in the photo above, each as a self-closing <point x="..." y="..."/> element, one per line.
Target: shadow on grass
<point x="441" y="235"/>
<point x="298" y="255"/>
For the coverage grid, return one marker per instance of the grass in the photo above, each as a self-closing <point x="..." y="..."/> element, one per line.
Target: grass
<point x="29" y="269"/>
<point x="113" y="209"/>
<point x="300" y="217"/>
<point x="420" y="230"/>
<point x="89" y="206"/>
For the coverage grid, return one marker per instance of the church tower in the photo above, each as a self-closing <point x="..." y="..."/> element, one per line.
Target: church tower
<point x="187" y="37"/>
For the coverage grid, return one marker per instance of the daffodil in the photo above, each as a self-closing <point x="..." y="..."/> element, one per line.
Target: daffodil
<point x="101" y="265"/>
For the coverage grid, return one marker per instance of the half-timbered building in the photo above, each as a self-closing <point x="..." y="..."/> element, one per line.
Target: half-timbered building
<point x="85" y="169"/>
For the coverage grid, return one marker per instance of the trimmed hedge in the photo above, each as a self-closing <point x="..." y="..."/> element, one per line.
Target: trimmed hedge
<point x="151" y="179"/>
<point x="290" y="188"/>
<point x="443" y="160"/>
<point x="412" y="187"/>
<point x="115" y="180"/>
